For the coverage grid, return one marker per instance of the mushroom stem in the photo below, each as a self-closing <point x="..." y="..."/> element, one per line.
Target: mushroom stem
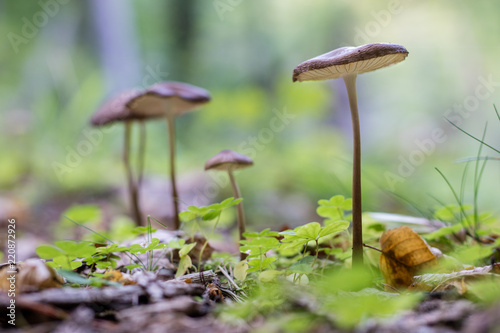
<point x="175" y="197"/>
<point x="142" y="153"/>
<point x="239" y="208"/>
<point x="357" y="226"/>
<point x="132" y="189"/>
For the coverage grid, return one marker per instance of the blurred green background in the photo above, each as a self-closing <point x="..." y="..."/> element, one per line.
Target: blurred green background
<point x="61" y="59"/>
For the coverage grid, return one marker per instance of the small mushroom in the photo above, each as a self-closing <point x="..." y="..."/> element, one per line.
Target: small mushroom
<point x="347" y="63"/>
<point x="115" y="110"/>
<point x="229" y="160"/>
<point x="169" y="100"/>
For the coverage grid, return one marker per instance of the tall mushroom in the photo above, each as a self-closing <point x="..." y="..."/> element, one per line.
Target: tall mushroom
<point x="169" y="100"/>
<point x="115" y="110"/>
<point x="229" y="160"/>
<point x="347" y="63"/>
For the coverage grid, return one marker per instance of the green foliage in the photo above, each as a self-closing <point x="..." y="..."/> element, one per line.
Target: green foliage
<point x="350" y="296"/>
<point x="449" y="213"/>
<point x="185" y="260"/>
<point x="473" y="254"/>
<point x="344" y="296"/>
<point x="334" y="209"/>
<point x="444" y="231"/>
<point x="207" y="213"/>
<point x="153" y="244"/>
<point x="311" y="232"/>
<point x="486" y="291"/>
<point x="352" y="308"/>
<point x="64" y="254"/>
<point x="257" y="245"/>
<point x="83" y="213"/>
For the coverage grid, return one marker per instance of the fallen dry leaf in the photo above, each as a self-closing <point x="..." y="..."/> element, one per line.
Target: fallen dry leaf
<point x="456" y="280"/>
<point x="32" y="275"/>
<point x="404" y="254"/>
<point x="116" y="276"/>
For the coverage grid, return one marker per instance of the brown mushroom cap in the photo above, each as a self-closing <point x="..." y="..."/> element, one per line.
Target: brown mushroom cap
<point x="164" y="97"/>
<point x="115" y="109"/>
<point x="228" y="160"/>
<point x="349" y="60"/>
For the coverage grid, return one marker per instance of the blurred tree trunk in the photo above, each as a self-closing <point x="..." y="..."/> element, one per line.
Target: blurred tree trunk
<point x="114" y="27"/>
<point x="182" y="16"/>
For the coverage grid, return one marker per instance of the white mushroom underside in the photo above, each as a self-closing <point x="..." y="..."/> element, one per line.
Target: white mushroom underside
<point x="363" y="66"/>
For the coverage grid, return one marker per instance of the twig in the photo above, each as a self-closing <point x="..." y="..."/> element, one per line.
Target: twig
<point x="228" y="277"/>
<point x="206" y="276"/>
<point x="372" y="247"/>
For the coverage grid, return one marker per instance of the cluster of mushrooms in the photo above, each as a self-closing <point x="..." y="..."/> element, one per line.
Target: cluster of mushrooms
<point x="164" y="100"/>
<point x="169" y="100"/>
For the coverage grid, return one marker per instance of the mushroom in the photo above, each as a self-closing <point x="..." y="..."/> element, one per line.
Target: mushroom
<point x="169" y="100"/>
<point x="347" y="63"/>
<point x="115" y="110"/>
<point x="229" y="160"/>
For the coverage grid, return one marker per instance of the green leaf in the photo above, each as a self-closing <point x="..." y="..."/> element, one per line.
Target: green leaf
<point x="347" y="205"/>
<point x="444" y="231"/>
<point x="132" y="266"/>
<point x="63" y="262"/>
<point x="78" y="250"/>
<point x="226" y="202"/>
<point x="334" y="208"/>
<point x="176" y="243"/>
<point x="112" y="248"/>
<point x="299" y="279"/>
<point x="352" y="308"/>
<point x="106" y="264"/>
<point x="186" y="249"/>
<point x="160" y="246"/>
<point x="292" y="238"/>
<point x="268" y="261"/>
<point x="450" y="212"/>
<point x="269" y="276"/>
<point x="254" y="262"/>
<point x="73" y="277"/>
<point x="486" y="291"/>
<point x="52" y="264"/>
<point x="292" y="247"/>
<point x="240" y="271"/>
<point x="184" y="265"/>
<point x="470" y="254"/>
<point x="309" y="231"/>
<point x="301" y="268"/>
<point x="333" y="228"/>
<point x="83" y="213"/>
<point x="143" y="230"/>
<point x="48" y="251"/>
<point x="230" y="202"/>
<point x="137" y="249"/>
<point x="187" y="216"/>
<point x="208" y="213"/>
<point x="213" y="214"/>
<point x="75" y="264"/>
